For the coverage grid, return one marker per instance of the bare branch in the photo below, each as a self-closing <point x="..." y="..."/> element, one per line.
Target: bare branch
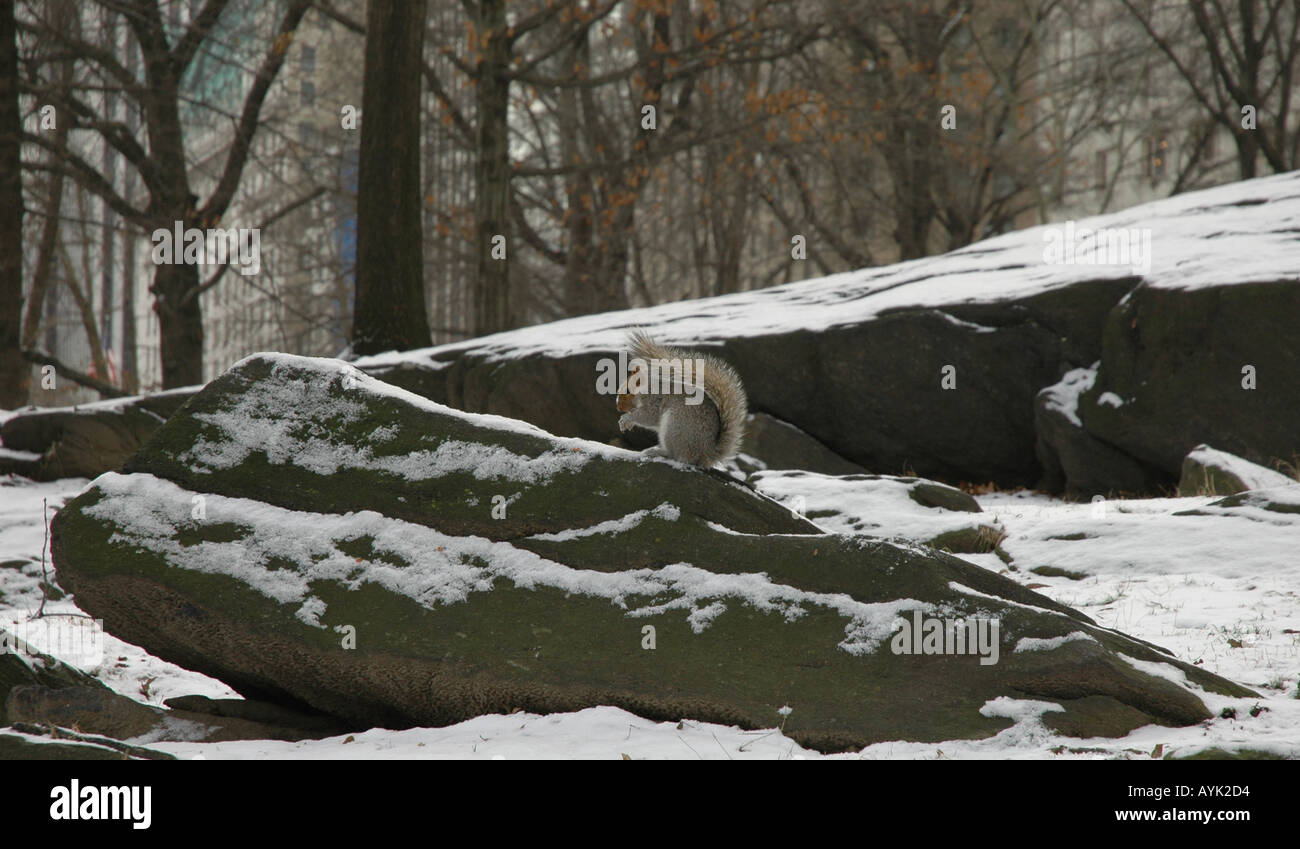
<point x="242" y="141"/>
<point x="104" y="388"/>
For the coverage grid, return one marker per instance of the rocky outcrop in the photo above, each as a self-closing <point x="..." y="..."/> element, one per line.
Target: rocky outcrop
<point x="315" y="537"/>
<point x="869" y="393"/>
<point x="961" y="368"/>
<point x="942" y="367"/>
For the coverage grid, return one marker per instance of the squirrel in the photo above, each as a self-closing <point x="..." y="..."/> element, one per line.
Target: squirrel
<point x="697" y="403"/>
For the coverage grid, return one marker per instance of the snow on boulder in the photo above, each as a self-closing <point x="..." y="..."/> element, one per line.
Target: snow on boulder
<point x="1207" y="471"/>
<point x="313" y="536"/>
<point x="932" y="366"/>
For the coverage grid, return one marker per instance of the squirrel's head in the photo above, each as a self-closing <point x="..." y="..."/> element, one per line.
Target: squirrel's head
<point x="628" y="391"/>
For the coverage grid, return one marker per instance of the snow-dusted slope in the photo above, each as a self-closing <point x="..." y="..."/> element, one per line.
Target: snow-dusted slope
<point x="1258" y="218"/>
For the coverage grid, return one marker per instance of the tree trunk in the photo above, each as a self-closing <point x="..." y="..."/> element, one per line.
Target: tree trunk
<point x="128" y="370"/>
<point x="492" y="308"/>
<point x="45" y="250"/>
<point x="15" y="372"/>
<point x="579" y="194"/>
<point x="1247" y="154"/>
<point x="180" y="324"/>
<point x="390" y="310"/>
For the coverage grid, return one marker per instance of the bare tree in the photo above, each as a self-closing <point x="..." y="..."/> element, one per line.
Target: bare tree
<point x="162" y="165"/>
<point x="1236" y="58"/>
<point x="619" y="115"/>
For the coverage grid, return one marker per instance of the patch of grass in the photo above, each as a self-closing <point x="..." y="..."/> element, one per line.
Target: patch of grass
<point x="986" y="488"/>
<point x="193" y="532"/>
<point x="1057" y="572"/>
<point x="978" y="540"/>
<point x="1291" y="469"/>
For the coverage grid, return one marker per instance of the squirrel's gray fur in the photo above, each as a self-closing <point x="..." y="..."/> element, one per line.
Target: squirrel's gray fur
<point x="704" y="433"/>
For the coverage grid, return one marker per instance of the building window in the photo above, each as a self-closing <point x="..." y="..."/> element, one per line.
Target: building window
<point x="308" y="92"/>
<point x="307" y="60"/>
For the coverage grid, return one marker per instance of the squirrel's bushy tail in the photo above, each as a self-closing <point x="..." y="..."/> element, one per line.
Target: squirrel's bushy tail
<point x="721" y="384"/>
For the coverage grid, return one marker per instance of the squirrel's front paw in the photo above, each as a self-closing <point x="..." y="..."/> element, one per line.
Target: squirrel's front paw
<point x="625" y="422"/>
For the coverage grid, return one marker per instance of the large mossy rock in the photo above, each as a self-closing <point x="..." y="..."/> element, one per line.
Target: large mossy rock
<point x="315" y="537"/>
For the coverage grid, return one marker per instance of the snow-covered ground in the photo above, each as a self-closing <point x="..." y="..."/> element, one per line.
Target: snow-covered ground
<point x="1220" y="588"/>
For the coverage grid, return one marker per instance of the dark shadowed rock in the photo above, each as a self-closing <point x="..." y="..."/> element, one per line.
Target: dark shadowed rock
<point x="16" y="748"/>
<point x="98" y="710"/>
<point x="83" y="441"/>
<point x="315" y="537"/>
<point x="856" y="360"/>
<point x="1174" y="369"/>
<point x="1074" y="461"/>
<point x="867" y="392"/>
<point x="781" y="445"/>
<point x="23" y="666"/>
<point x="52" y="743"/>
<point x="305" y="725"/>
